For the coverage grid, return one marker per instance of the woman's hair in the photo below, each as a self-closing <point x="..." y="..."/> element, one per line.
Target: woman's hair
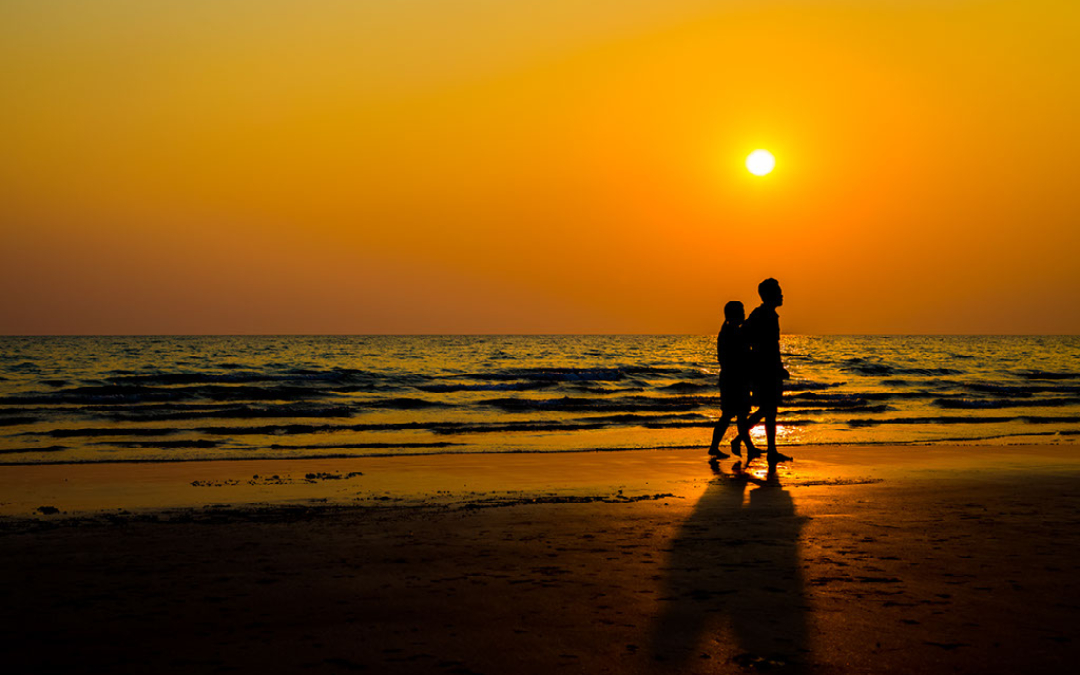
<point x="733" y="311"/>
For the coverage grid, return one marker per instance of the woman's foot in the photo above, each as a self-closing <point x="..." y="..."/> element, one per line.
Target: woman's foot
<point x="735" y="447"/>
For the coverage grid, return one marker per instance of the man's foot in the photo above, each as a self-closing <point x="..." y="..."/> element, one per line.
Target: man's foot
<point x="735" y="448"/>
<point x="717" y="453"/>
<point x="752" y="454"/>
<point x="778" y="458"/>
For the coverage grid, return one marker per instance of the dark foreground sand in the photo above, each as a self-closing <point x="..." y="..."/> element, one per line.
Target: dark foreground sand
<point x="858" y="560"/>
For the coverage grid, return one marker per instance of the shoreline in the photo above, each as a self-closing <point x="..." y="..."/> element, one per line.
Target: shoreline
<point x="83" y="489"/>
<point x="1063" y="439"/>
<point x="1032" y="439"/>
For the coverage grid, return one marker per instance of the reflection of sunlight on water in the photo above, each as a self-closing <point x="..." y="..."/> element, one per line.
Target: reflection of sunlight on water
<point x="784" y="434"/>
<point x="789" y="434"/>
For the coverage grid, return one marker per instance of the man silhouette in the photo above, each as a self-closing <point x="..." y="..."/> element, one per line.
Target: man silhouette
<point x="767" y="372"/>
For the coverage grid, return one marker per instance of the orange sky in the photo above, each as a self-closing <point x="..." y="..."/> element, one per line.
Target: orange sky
<point x="483" y="166"/>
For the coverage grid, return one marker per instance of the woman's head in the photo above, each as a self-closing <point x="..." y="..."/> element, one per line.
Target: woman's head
<point x="734" y="312"/>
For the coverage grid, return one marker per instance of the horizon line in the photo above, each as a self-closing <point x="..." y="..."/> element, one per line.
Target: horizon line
<point x="221" y="335"/>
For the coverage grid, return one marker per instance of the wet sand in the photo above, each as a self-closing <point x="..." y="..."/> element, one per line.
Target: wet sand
<point x="856" y="560"/>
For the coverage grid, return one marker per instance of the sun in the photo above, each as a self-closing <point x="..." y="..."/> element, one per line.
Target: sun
<point x="760" y="162"/>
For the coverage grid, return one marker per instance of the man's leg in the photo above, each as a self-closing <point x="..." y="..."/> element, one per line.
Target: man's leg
<point x="770" y="429"/>
<point x="774" y="457"/>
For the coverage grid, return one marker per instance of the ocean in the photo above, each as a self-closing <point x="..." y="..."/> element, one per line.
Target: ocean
<point x="119" y="399"/>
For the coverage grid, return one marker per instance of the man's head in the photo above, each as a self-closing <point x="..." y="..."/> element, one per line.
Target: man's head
<point x="770" y="293"/>
<point x="734" y="312"/>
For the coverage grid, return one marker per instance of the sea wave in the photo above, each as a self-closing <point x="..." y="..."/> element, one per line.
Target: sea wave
<point x="1046" y="375"/>
<point x="863" y="366"/>
<point x="966" y="419"/>
<point x="980" y="404"/>
<point x="572" y="374"/>
<point x="581" y="404"/>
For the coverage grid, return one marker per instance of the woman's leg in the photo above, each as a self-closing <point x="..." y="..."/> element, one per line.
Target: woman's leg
<point x="718" y="435"/>
<point x="742" y="424"/>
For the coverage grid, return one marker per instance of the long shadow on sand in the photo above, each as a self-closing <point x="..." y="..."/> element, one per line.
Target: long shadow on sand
<point x="734" y="589"/>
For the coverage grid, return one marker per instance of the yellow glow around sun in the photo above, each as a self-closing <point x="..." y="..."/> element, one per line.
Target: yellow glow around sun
<point x="760" y="162"/>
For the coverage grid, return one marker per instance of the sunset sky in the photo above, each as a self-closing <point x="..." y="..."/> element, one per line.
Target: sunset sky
<point x="537" y="166"/>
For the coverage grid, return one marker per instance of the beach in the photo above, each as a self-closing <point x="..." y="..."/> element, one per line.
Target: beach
<point x="852" y="560"/>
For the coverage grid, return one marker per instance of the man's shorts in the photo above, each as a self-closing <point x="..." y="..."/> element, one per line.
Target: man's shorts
<point x="768" y="392"/>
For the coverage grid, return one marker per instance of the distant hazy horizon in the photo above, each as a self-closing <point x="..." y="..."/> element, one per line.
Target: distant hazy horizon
<point x="785" y="333"/>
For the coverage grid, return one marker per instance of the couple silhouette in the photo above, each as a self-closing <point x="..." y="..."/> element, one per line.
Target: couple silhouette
<point x="751" y="373"/>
